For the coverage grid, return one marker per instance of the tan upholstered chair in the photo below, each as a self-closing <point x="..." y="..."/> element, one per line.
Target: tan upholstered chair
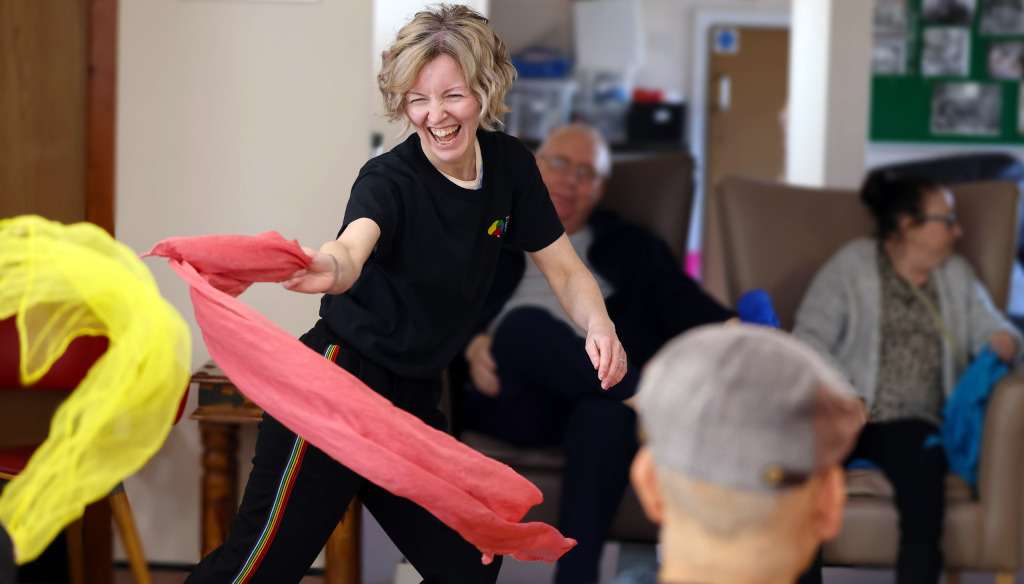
<point x="776" y="237"/>
<point x="656" y="192"/>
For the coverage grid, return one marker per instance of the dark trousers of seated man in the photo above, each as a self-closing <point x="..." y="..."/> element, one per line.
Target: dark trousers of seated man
<point x="918" y="477"/>
<point x="550" y="395"/>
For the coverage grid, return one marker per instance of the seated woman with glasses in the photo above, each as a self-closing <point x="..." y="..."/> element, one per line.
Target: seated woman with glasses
<point x="901" y="315"/>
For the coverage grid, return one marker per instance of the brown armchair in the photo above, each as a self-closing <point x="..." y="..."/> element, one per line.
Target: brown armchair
<point x="775" y="237"/>
<point x="656" y="192"/>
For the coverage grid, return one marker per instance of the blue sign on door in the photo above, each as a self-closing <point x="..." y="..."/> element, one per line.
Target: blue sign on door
<point x="727" y="40"/>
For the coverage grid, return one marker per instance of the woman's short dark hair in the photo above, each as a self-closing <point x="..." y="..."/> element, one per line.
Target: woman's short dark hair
<point x="890" y="198"/>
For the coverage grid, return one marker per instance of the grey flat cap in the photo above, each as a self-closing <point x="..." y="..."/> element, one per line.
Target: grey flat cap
<point x="746" y="407"/>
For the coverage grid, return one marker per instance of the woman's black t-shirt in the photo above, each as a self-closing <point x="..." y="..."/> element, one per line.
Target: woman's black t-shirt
<point x="419" y="296"/>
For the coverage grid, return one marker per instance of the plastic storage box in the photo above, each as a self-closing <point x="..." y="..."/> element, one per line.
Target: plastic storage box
<point x="539" y="106"/>
<point x="542" y="62"/>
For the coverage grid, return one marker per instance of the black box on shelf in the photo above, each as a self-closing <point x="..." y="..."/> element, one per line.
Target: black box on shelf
<point x="657" y="122"/>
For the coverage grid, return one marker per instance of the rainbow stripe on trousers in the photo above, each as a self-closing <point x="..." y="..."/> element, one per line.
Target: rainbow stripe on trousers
<point x="284" y="489"/>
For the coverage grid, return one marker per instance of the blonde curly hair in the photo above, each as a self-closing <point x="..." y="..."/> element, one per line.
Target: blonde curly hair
<point x="463" y="34"/>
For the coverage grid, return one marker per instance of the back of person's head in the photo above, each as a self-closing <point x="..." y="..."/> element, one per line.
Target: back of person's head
<point x="461" y="33"/>
<point x="745" y="429"/>
<point x="890" y="198"/>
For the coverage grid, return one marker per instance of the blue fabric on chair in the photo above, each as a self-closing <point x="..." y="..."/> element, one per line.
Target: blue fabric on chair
<point x="861" y="463"/>
<point x="964" y="413"/>
<point x="755" y="307"/>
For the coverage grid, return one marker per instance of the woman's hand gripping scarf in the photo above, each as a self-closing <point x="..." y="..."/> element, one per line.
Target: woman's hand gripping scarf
<point x="62" y="282"/>
<point x="480" y="498"/>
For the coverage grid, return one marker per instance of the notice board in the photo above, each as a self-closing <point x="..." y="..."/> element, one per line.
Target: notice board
<point x="948" y="71"/>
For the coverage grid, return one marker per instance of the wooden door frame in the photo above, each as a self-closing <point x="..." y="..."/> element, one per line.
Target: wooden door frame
<point x="100" y="133"/>
<point x="101" y="113"/>
<point x="706" y="21"/>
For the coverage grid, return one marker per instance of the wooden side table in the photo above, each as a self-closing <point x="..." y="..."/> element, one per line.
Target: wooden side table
<point x="222" y="409"/>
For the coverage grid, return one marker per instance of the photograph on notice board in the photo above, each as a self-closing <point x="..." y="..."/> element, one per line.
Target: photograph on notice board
<point x="946" y="52"/>
<point x="1006" y="60"/>
<point x="960" y="12"/>
<point x="966" y="109"/>
<point x="1002" y="16"/>
<point x="889" y="56"/>
<point x="890" y="17"/>
<point x="1020" y="111"/>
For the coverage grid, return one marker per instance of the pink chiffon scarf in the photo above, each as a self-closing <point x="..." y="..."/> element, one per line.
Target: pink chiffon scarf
<point x="482" y="499"/>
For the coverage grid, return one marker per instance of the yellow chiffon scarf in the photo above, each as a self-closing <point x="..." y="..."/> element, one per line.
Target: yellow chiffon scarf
<point x="66" y="281"/>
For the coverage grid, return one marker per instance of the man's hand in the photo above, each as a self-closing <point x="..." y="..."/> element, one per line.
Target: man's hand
<point x="483" y="371"/>
<point x="606" y="353"/>
<point x="1003" y="344"/>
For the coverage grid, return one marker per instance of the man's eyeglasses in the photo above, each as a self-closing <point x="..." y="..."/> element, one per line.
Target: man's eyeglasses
<point x="561" y="165"/>
<point x="949" y="219"/>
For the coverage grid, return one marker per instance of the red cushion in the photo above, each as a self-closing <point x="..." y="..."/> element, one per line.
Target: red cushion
<point x="65" y="374"/>
<point x="181" y="406"/>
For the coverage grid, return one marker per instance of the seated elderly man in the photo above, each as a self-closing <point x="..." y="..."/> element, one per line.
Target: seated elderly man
<point x="745" y="432"/>
<point x="532" y="382"/>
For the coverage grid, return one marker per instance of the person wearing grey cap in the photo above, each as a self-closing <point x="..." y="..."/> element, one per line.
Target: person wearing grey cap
<point x="745" y="430"/>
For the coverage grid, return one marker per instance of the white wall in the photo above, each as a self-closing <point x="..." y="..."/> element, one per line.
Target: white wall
<point x="829" y="92"/>
<point x="233" y="117"/>
<point x="528" y="23"/>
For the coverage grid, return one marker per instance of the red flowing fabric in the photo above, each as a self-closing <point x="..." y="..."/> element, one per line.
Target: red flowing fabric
<point x="482" y="499"/>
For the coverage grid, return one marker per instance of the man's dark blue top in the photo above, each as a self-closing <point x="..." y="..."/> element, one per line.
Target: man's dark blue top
<point x="652" y="301"/>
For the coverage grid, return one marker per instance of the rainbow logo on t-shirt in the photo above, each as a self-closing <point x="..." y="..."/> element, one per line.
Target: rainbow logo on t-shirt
<point x="497" y="228"/>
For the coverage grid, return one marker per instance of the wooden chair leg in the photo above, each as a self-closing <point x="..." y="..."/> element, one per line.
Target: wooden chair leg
<point x="343" y="548"/>
<point x="1004" y="578"/>
<point x="76" y="553"/>
<point x="126" y="527"/>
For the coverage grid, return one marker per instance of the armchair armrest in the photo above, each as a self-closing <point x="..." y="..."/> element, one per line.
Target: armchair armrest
<point x="1001" y="475"/>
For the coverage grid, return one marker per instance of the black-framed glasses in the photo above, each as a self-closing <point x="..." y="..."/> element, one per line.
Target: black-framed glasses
<point x="949" y="219"/>
<point x="561" y="165"/>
